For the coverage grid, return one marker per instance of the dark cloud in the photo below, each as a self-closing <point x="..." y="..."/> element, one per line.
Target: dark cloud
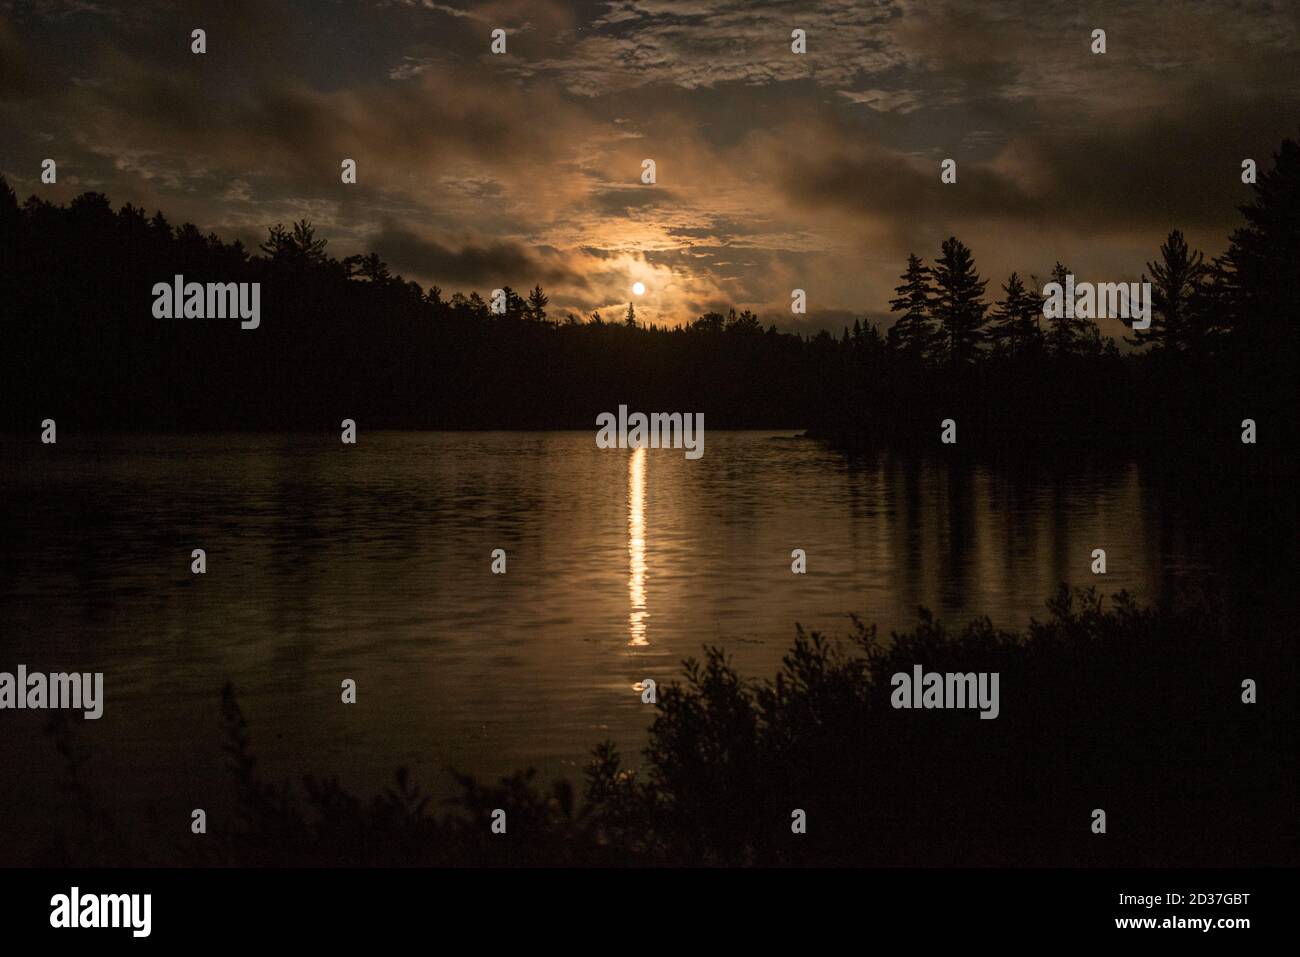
<point x="625" y="199"/>
<point x="491" y="264"/>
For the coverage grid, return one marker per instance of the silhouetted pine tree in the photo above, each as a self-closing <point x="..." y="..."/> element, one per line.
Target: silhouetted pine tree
<point x="1068" y="334"/>
<point x="1174" y="282"/>
<point x="1262" y="264"/>
<point x="1015" y="329"/>
<point x="913" y="334"/>
<point x="535" y="311"/>
<point x="958" y="302"/>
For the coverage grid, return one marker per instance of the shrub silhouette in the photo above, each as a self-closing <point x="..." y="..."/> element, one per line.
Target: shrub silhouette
<point x="1137" y="711"/>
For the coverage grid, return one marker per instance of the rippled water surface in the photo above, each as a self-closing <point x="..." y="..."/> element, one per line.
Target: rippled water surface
<point x="372" y="562"/>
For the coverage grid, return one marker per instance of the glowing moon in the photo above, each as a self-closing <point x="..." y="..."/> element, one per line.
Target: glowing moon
<point x="638" y="288"/>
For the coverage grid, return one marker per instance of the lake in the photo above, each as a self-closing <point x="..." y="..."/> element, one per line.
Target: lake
<point x="373" y="562"/>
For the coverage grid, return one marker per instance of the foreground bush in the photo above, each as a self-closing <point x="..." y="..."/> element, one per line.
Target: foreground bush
<point x="1136" y="711"/>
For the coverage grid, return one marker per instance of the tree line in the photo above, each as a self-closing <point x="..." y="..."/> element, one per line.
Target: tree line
<point x="349" y="338"/>
<point x="943" y="318"/>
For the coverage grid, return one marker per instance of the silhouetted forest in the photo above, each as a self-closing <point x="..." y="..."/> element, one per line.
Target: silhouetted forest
<point x="347" y="338"/>
<point x="1137" y="711"/>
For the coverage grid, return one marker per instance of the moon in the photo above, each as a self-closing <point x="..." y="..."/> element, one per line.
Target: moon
<point x="638" y="288"/>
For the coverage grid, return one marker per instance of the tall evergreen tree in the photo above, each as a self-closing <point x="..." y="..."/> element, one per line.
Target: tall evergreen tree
<point x="1262" y="264"/>
<point x="1015" y="329"/>
<point x="1067" y="334"/>
<point x="535" y="311"/>
<point x="913" y="334"/>
<point x="958" y="302"/>
<point x="163" y="230"/>
<point x="477" y="305"/>
<point x="1174" y="283"/>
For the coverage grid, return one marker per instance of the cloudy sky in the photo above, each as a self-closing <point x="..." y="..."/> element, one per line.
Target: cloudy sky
<point x="775" y="170"/>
